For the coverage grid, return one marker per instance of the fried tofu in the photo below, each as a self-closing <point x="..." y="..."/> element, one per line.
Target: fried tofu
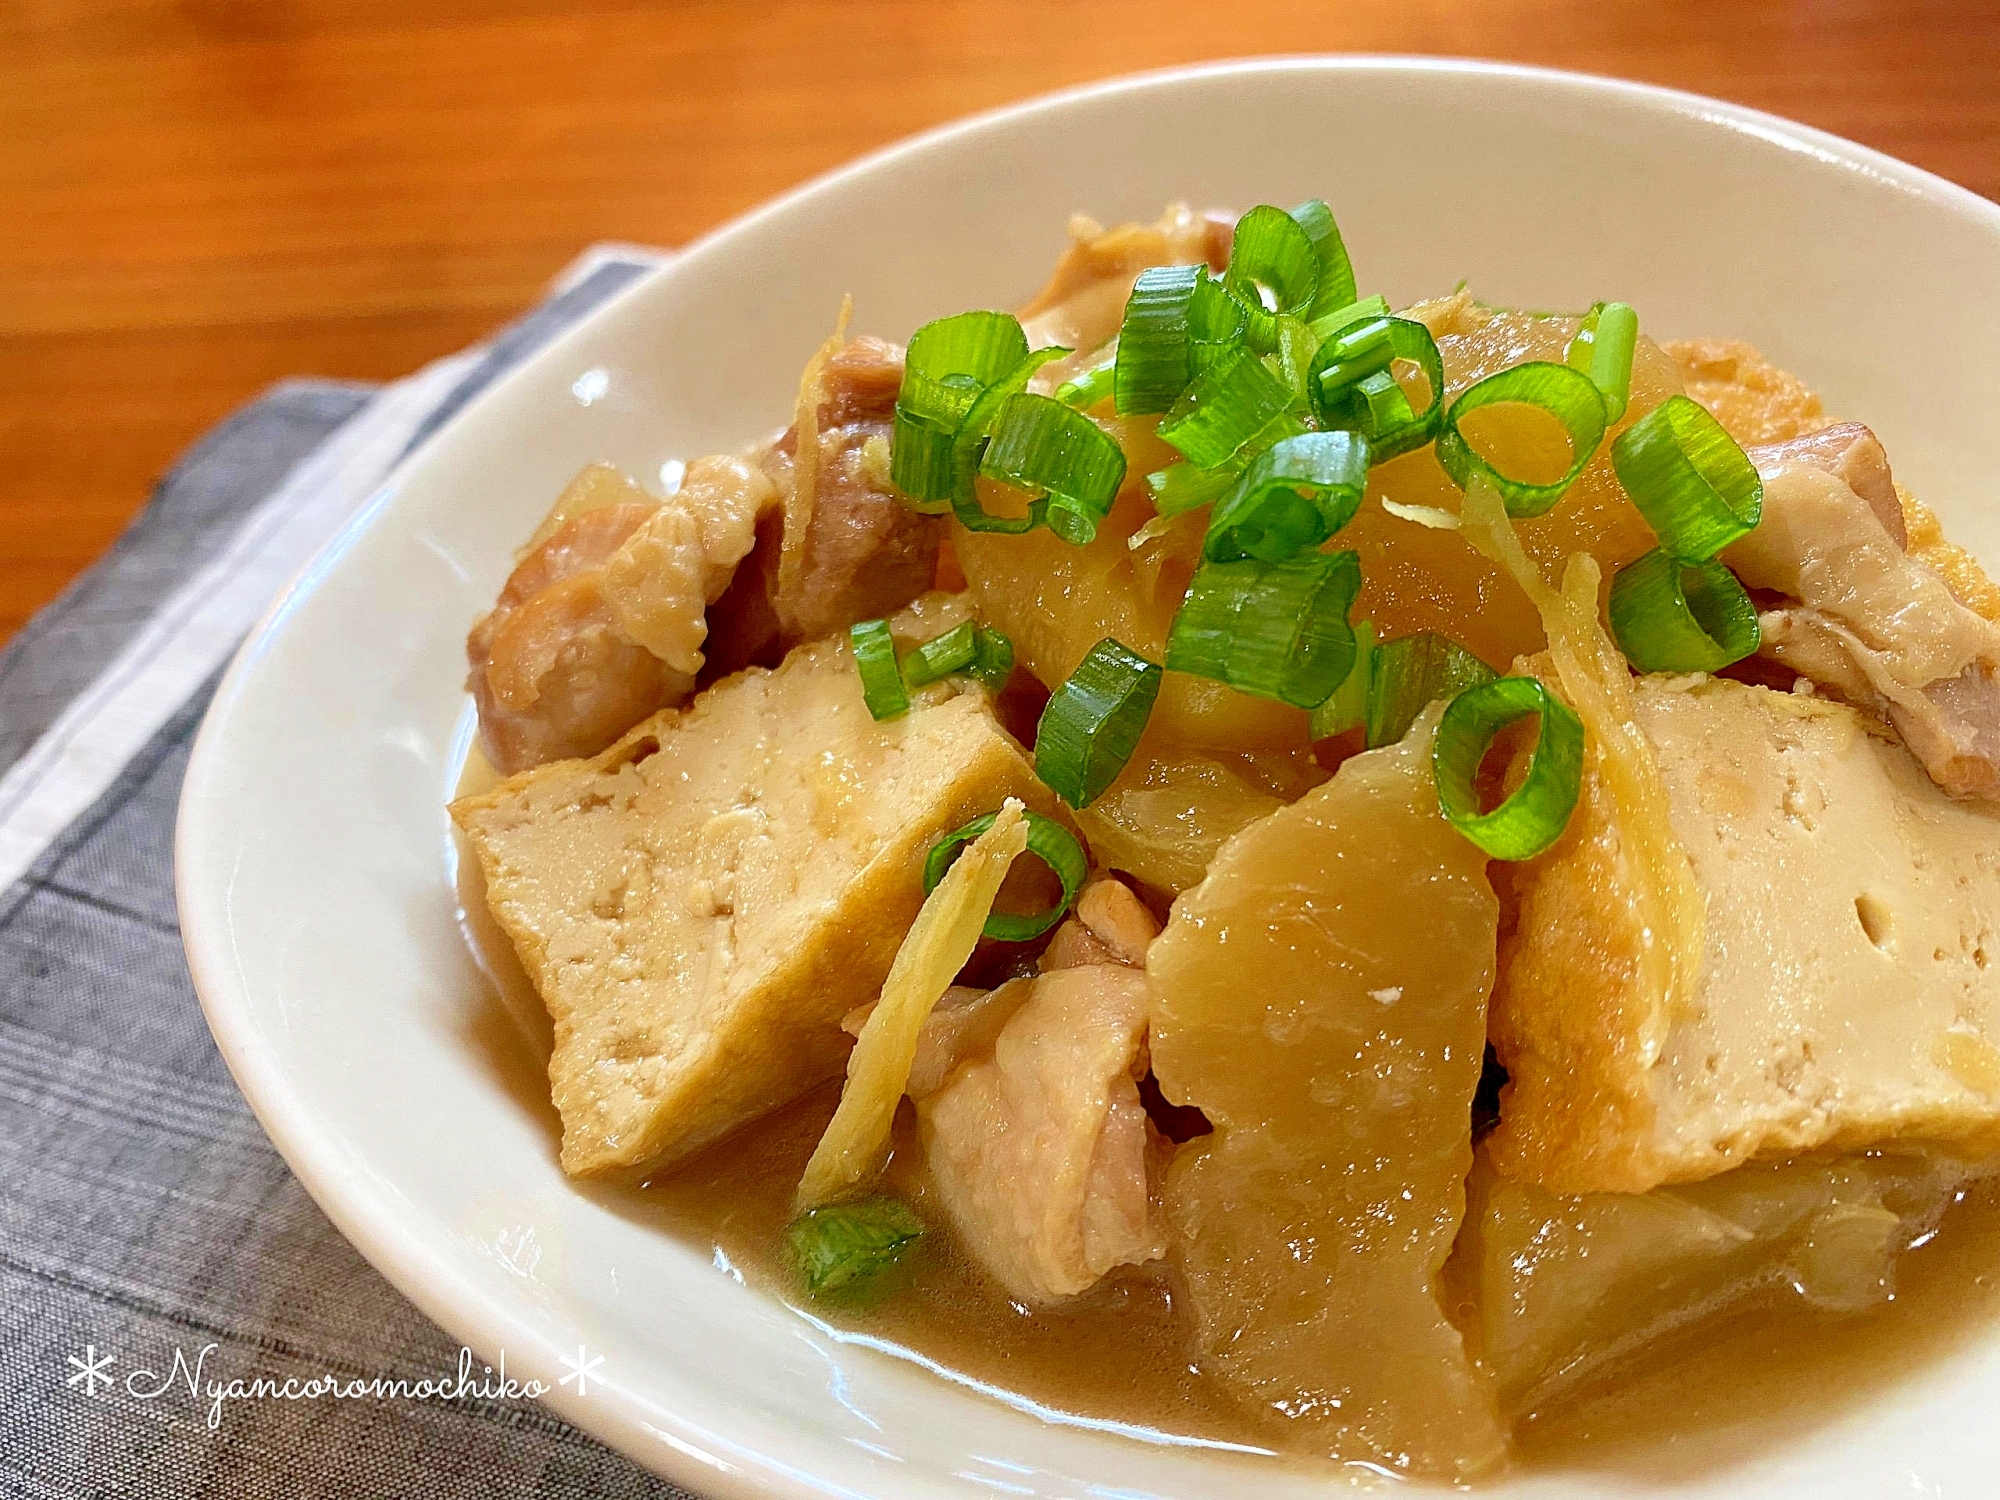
<point x="1850" y="984"/>
<point x="1755" y="400"/>
<point x="701" y="904"/>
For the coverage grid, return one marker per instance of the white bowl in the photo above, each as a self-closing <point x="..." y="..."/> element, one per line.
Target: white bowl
<point x="315" y="884"/>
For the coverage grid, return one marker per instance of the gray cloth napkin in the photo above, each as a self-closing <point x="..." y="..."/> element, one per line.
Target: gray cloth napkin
<point x="143" y="1215"/>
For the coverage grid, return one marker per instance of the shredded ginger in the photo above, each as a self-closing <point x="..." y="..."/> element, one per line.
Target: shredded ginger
<point x="878" y="1069"/>
<point x="1598" y="685"/>
<point x="806" y="457"/>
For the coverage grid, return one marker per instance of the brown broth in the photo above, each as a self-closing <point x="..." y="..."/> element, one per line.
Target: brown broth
<point x="1765" y="1373"/>
<point x="1717" y="1394"/>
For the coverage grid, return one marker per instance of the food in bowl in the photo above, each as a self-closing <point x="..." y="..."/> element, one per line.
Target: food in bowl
<point x="1511" y="809"/>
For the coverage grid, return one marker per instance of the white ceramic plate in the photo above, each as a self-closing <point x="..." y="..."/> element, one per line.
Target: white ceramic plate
<point x="316" y="892"/>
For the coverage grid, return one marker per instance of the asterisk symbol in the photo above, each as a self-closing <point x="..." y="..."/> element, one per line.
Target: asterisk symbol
<point x="580" y="1369"/>
<point x="91" y="1368"/>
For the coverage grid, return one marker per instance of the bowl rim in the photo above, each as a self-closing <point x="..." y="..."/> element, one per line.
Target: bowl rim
<point x="681" y="1451"/>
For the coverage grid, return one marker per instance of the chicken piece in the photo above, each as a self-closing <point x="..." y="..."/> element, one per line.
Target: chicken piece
<point x="700" y="904"/>
<point x="661" y="582"/>
<point x="964" y="1021"/>
<point x="1874" y="624"/>
<point x="1321" y="998"/>
<point x="841" y="545"/>
<point x="1847" y="991"/>
<point x="1110" y="926"/>
<point x="1853" y="455"/>
<point x="603" y="618"/>
<point x="1565" y="1286"/>
<point x="552" y="672"/>
<point x="1758" y="404"/>
<point x="650" y="596"/>
<point x="1037" y="1144"/>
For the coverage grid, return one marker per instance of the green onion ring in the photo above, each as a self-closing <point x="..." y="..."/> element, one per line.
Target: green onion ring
<point x="1217" y="323"/>
<point x="1294" y="495"/>
<point x="942" y="655"/>
<point x="1152" y="366"/>
<point x="1177" y="321"/>
<point x="1181" y="486"/>
<point x="1348" y="707"/>
<point x="1050" y="842"/>
<point x="1565" y="394"/>
<point x="1094" y="720"/>
<point x="845" y="1248"/>
<point x="970" y="444"/>
<point x="1274" y="630"/>
<point x="1326" y="325"/>
<point x="948" y="363"/>
<point x="1039" y="444"/>
<point x="1349" y="358"/>
<point x="992" y="658"/>
<point x="875" y="659"/>
<point x="1087" y="389"/>
<point x="1694" y="485"/>
<point x="1603" y="349"/>
<point x="1670" y="615"/>
<point x="1410" y="674"/>
<point x="1293" y="357"/>
<point x="1271" y="251"/>
<point x="1535" y="814"/>
<point x="1234" y="405"/>
<point x="1336" y="272"/>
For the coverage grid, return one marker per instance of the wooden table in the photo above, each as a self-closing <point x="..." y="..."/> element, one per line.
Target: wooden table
<point x="198" y="197"/>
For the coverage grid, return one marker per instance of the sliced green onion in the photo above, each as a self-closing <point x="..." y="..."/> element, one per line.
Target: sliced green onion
<point x="1272" y="252"/>
<point x="1217" y="322"/>
<point x="920" y="460"/>
<point x="1696" y="488"/>
<point x="1335" y="286"/>
<point x="948" y="363"/>
<point x="1094" y="720"/>
<point x="1352" y="384"/>
<point x="1236" y="404"/>
<point x="1050" y="842"/>
<point x="1088" y="388"/>
<point x="1292" y="358"/>
<point x="1041" y="446"/>
<point x="975" y="434"/>
<point x="942" y="655"/>
<point x="1669" y="615"/>
<point x="875" y="658"/>
<point x="1411" y="673"/>
<point x="1182" y="486"/>
<point x="1326" y="325"/>
<point x="992" y="658"/>
<point x="1535" y="814"/>
<point x="1295" y="495"/>
<point x="848" y="1246"/>
<point x="1274" y="630"/>
<point x="1603" y="349"/>
<point x="1348" y="707"/>
<point x="1565" y="394"/>
<point x="1176" y="321"/>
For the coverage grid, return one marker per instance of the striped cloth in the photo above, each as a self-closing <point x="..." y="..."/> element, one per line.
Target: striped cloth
<point x="144" y="1218"/>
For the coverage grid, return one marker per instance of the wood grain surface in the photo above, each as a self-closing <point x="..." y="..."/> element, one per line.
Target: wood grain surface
<point x="198" y="197"/>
